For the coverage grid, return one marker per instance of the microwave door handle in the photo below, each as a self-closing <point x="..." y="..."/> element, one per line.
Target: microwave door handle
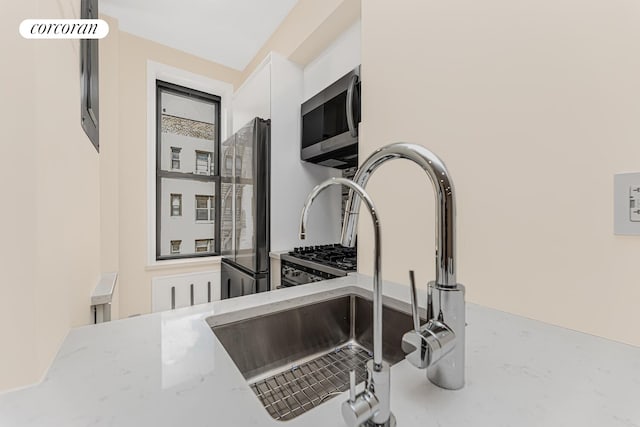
<point x="350" y="93"/>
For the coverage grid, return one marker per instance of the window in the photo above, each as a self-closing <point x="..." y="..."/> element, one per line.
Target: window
<point x="205" y="209"/>
<point x="203" y="245"/>
<point x="176" y="205"/>
<point x="175" y="157"/>
<point x="187" y="170"/>
<point x="89" y="84"/>
<point x="203" y="162"/>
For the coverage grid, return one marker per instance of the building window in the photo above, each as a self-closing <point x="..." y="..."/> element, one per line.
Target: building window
<point x="176" y="205"/>
<point x="204" y="245"/>
<point x="187" y="168"/>
<point x="203" y="162"/>
<point x="175" y="157"/>
<point x="205" y="208"/>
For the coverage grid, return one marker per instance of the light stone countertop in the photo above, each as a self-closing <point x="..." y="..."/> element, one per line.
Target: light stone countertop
<point x="168" y="369"/>
<point x="276" y="254"/>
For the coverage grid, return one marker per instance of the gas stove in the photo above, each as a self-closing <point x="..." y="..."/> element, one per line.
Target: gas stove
<point x="335" y="255"/>
<point x="308" y="264"/>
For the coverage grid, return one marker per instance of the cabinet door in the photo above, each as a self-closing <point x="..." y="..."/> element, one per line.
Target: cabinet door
<point x="253" y="98"/>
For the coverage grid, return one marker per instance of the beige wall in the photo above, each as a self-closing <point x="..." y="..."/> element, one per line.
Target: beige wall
<point x="128" y="166"/>
<point x="75" y="213"/>
<point x="533" y="106"/>
<point x="109" y="61"/>
<point x="50" y="185"/>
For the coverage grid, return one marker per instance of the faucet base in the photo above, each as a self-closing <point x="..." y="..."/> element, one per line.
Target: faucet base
<point x="391" y="422"/>
<point x="371" y="407"/>
<point x="447" y="305"/>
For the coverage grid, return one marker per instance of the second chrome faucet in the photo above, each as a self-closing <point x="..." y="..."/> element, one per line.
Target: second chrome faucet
<point x="372" y="406"/>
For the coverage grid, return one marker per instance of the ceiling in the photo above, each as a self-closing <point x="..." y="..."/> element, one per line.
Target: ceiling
<point x="229" y="32"/>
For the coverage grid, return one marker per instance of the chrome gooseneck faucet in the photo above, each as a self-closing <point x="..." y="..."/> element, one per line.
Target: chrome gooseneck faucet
<point x="439" y="344"/>
<point x="372" y="406"/>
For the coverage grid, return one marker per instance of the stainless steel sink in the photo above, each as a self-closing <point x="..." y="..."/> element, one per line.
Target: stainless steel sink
<point x="297" y="358"/>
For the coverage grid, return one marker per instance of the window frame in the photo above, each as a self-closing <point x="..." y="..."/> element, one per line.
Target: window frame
<point x="195" y="245"/>
<point x="211" y="206"/>
<point x="178" y="196"/>
<point x="209" y="155"/>
<point x="177" y="151"/>
<point x="89" y="78"/>
<point x="160" y="86"/>
<point x="177" y="242"/>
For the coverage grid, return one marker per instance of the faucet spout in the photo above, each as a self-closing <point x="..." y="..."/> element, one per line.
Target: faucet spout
<point x="445" y="203"/>
<point x="372" y="406"/>
<point x="439" y="345"/>
<point x="377" y="255"/>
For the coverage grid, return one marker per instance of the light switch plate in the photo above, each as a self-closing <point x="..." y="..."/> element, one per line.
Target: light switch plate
<point x="626" y="194"/>
<point x="634" y="202"/>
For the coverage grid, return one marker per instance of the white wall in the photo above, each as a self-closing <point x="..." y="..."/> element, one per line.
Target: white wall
<point x="533" y="105"/>
<point x="292" y="179"/>
<point x="253" y="98"/>
<point x="188" y="108"/>
<point x="342" y="56"/>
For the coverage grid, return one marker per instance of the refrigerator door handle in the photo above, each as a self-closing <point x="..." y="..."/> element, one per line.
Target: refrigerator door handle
<point x="234" y="179"/>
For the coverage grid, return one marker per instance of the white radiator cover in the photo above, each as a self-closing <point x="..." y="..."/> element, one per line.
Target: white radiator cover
<point x="184" y="290"/>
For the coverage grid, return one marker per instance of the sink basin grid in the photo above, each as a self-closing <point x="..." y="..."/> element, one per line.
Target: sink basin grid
<point x="297" y="358"/>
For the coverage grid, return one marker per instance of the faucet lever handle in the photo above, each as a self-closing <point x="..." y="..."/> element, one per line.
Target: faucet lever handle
<point x="352" y="386"/>
<point x="414" y="302"/>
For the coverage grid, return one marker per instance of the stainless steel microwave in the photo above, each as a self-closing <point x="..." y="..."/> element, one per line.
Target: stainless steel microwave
<point x="330" y="124"/>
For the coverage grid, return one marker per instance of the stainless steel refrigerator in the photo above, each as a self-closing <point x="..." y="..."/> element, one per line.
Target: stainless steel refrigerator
<point x="245" y="187"/>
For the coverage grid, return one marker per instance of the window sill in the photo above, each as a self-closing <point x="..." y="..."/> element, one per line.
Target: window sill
<point x="178" y="263"/>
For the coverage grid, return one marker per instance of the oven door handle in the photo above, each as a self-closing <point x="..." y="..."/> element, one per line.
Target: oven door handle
<point x="353" y="130"/>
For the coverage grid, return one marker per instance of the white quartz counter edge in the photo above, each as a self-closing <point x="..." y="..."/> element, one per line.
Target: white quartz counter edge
<point x="168" y="369"/>
<point x="276" y="254"/>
